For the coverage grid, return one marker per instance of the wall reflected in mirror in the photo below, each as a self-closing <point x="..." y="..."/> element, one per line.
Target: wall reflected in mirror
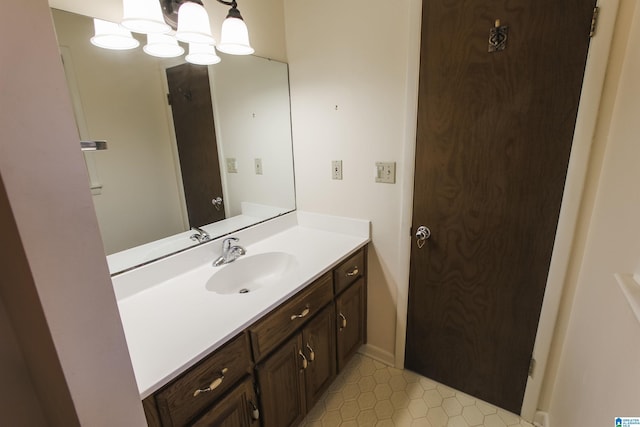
<point x="143" y="185"/>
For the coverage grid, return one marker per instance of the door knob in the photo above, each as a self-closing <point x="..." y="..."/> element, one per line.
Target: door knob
<point x="217" y="202"/>
<point x="422" y="235"/>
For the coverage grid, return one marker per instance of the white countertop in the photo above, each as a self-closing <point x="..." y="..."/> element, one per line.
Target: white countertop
<point x="171" y="320"/>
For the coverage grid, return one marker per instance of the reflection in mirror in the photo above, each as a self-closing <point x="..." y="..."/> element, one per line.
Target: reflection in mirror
<point x="144" y="211"/>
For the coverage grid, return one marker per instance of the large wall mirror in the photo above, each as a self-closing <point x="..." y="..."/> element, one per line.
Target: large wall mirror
<point x="223" y="135"/>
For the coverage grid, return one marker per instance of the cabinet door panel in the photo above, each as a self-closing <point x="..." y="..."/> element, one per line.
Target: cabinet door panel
<point x="319" y="345"/>
<point x="234" y="410"/>
<point x="351" y="321"/>
<point x="281" y="383"/>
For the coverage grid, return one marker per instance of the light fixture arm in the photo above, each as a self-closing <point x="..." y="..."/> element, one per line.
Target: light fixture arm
<point x="233" y="12"/>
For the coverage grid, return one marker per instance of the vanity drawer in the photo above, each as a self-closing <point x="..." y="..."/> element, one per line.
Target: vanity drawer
<point x="349" y="271"/>
<point x="271" y="330"/>
<point x="177" y="403"/>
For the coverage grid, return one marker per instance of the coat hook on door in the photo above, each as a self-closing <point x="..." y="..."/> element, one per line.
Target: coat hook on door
<point x="498" y="37"/>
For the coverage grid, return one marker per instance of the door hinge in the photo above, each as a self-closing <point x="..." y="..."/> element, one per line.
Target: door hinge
<point x="594" y="21"/>
<point x="169" y="98"/>
<point x="532" y="366"/>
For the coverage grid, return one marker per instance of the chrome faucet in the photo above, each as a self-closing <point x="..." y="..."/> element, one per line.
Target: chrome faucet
<point x="229" y="252"/>
<point x="200" y="235"/>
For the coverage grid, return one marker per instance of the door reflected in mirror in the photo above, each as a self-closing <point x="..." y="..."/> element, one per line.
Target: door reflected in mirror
<point x="148" y="181"/>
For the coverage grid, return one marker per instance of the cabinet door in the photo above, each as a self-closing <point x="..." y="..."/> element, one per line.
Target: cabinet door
<point x="281" y="384"/>
<point x="351" y="321"/>
<point x="236" y="409"/>
<point x="319" y="345"/>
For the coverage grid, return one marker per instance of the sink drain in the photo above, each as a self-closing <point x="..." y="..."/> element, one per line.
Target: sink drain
<point x="243" y="291"/>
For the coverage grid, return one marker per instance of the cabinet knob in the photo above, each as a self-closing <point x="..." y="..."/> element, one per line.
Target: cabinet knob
<point x="214" y="384"/>
<point x="343" y="321"/>
<point x="353" y="272"/>
<point x="304" y="313"/>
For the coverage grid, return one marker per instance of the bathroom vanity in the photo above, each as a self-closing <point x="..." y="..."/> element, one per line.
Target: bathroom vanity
<point x="253" y="351"/>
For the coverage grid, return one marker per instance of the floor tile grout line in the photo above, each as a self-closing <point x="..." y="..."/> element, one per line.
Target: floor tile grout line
<point x="343" y="404"/>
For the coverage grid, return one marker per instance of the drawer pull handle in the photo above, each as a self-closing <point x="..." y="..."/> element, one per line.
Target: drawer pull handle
<point x="343" y="321"/>
<point x="312" y="354"/>
<point x="305" y="363"/>
<point x="353" y="272"/>
<point x="255" y="413"/>
<point x="214" y="384"/>
<point x="304" y="313"/>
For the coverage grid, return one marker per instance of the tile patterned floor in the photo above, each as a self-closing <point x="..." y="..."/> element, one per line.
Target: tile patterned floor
<point x="369" y="393"/>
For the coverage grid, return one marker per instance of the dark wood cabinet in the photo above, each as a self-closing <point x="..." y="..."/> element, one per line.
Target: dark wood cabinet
<point x="351" y="309"/>
<point x="294" y="353"/>
<point x="237" y="409"/>
<point x="202" y="385"/>
<point x="281" y="384"/>
<point x="268" y="332"/>
<point x="319" y="342"/>
<point x="292" y="379"/>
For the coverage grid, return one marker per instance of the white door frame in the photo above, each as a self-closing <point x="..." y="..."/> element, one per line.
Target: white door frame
<point x="587" y="118"/>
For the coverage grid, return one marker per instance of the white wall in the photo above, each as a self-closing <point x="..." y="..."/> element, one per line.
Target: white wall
<point x="599" y="371"/>
<point x="353" y="72"/>
<point x="55" y="286"/>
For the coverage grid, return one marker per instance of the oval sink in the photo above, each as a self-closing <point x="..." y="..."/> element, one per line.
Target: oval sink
<point x="251" y="273"/>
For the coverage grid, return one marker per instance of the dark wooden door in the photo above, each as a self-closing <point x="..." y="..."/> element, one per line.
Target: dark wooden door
<point x="319" y="341"/>
<point x="281" y="385"/>
<point x="351" y="322"/>
<point x="493" y="142"/>
<point x="190" y="97"/>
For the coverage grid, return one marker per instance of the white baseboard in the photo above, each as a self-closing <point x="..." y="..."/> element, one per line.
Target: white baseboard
<point x="378" y="354"/>
<point x="541" y="419"/>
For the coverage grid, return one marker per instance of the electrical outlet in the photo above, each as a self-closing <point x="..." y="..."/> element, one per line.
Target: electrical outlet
<point x="258" y="164"/>
<point x="386" y="172"/>
<point x="336" y="169"/>
<point x="232" y="165"/>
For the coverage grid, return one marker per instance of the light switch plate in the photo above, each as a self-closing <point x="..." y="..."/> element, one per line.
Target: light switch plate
<point x="232" y="165"/>
<point x="336" y="169"/>
<point x="258" y="164"/>
<point x="386" y="172"/>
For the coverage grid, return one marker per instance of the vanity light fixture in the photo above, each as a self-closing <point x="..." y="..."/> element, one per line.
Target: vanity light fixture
<point x="162" y="46"/>
<point x="234" y="37"/>
<point x="193" y="24"/>
<point x="202" y="54"/>
<point x="109" y="35"/>
<point x="144" y="16"/>
<point x="157" y="19"/>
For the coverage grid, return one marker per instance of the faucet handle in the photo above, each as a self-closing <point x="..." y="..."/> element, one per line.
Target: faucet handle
<point x="226" y="243"/>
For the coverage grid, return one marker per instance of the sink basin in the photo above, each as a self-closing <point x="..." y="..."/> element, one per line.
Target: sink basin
<point x="251" y="273"/>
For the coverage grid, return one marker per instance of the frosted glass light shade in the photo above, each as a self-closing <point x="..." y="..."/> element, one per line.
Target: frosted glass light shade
<point x="202" y="54"/>
<point x="234" y="37"/>
<point x="109" y="35"/>
<point x="144" y="16"/>
<point x="193" y="24"/>
<point x="162" y="46"/>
